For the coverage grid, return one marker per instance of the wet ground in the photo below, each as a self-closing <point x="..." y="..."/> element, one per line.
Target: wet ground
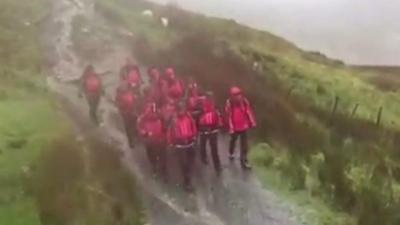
<point x="236" y="198"/>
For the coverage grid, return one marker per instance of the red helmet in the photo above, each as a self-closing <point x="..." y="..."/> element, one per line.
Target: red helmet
<point x="235" y="90"/>
<point x="154" y="73"/>
<point x="170" y="73"/>
<point x="89" y="69"/>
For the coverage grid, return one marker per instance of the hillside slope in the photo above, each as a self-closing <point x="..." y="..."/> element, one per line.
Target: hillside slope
<point x="330" y="131"/>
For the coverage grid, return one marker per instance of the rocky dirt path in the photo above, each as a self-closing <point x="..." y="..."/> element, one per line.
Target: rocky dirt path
<point x="237" y="198"/>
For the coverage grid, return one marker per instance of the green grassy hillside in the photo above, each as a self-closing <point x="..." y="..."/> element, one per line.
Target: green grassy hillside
<point x="27" y="116"/>
<point x="343" y="157"/>
<point x="41" y="166"/>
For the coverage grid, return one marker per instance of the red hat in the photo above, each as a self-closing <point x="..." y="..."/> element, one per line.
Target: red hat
<point x="154" y="73"/>
<point x="170" y="73"/>
<point x="235" y="90"/>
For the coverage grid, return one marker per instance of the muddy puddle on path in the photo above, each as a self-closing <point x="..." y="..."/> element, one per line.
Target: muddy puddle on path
<point x="236" y="198"/>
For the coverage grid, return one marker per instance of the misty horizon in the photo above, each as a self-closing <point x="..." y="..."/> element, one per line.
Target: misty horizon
<point x="355" y="31"/>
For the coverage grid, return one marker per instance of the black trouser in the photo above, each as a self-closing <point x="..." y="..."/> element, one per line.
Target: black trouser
<point x="243" y="145"/>
<point x="93" y="101"/>
<point x="156" y="152"/>
<point x="130" y="125"/>
<point x="186" y="156"/>
<point x="212" y="139"/>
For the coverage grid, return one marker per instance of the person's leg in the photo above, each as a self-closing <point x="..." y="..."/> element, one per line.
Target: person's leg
<point x="162" y="160"/>
<point x="189" y="163"/>
<point x="232" y="144"/>
<point x="182" y="163"/>
<point x="213" y="139"/>
<point x="133" y="127"/>
<point x="93" y="102"/>
<point x="244" y="150"/>
<point x="150" y="150"/>
<point x="203" y="150"/>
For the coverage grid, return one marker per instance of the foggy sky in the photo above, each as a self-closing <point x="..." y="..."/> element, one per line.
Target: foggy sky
<point x="356" y="31"/>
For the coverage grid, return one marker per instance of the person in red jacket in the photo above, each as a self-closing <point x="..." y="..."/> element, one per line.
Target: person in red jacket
<point x="92" y="87"/>
<point x="154" y="76"/>
<point x="209" y="124"/>
<point x="131" y="74"/>
<point x="182" y="134"/>
<point x="172" y="86"/>
<point x="240" y="118"/>
<point x="126" y="102"/>
<point x="192" y="85"/>
<point x="153" y="91"/>
<point x="151" y="129"/>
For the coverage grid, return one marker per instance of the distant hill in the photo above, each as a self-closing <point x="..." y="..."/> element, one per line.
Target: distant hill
<point x="395" y="70"/>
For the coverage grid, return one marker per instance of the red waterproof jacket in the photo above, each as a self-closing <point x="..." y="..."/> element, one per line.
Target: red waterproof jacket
<point x="239" y="114"/>
<point x="182" y="130"/>
<point x="126" y="101"/>
<point x="210" y="119"/>
<point x="91" y="84"/>
<point x="151" y="128"/>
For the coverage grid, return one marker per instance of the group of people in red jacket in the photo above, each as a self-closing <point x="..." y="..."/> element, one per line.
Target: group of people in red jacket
<point x="169" y="114"/>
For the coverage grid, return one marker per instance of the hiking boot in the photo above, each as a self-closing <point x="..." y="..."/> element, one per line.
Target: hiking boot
<point x="231" y="157"/>
<point x="131" y="144"/>
<point x="188" y="188"/>
<point x="246" y="166"/>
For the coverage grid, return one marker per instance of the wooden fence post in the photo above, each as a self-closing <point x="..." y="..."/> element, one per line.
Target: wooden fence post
<point x="353" y="113"/>
<point x="335" y="105"/>
<point x="379" y="116"/>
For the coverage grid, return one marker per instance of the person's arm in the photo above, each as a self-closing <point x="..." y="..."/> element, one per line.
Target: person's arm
<point x="170" y="135"/>
<point x="220" y="119"/>
<point x="194" y="127"/>
<point x="228" y="111"/>
<point x="123" y="72"/>
<point x="250" y="113"/>
<point x="116" y="98"/>
<point x="81" y="86"/>
<point x="102" y="89"/>
<point x="140" y="76"/>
